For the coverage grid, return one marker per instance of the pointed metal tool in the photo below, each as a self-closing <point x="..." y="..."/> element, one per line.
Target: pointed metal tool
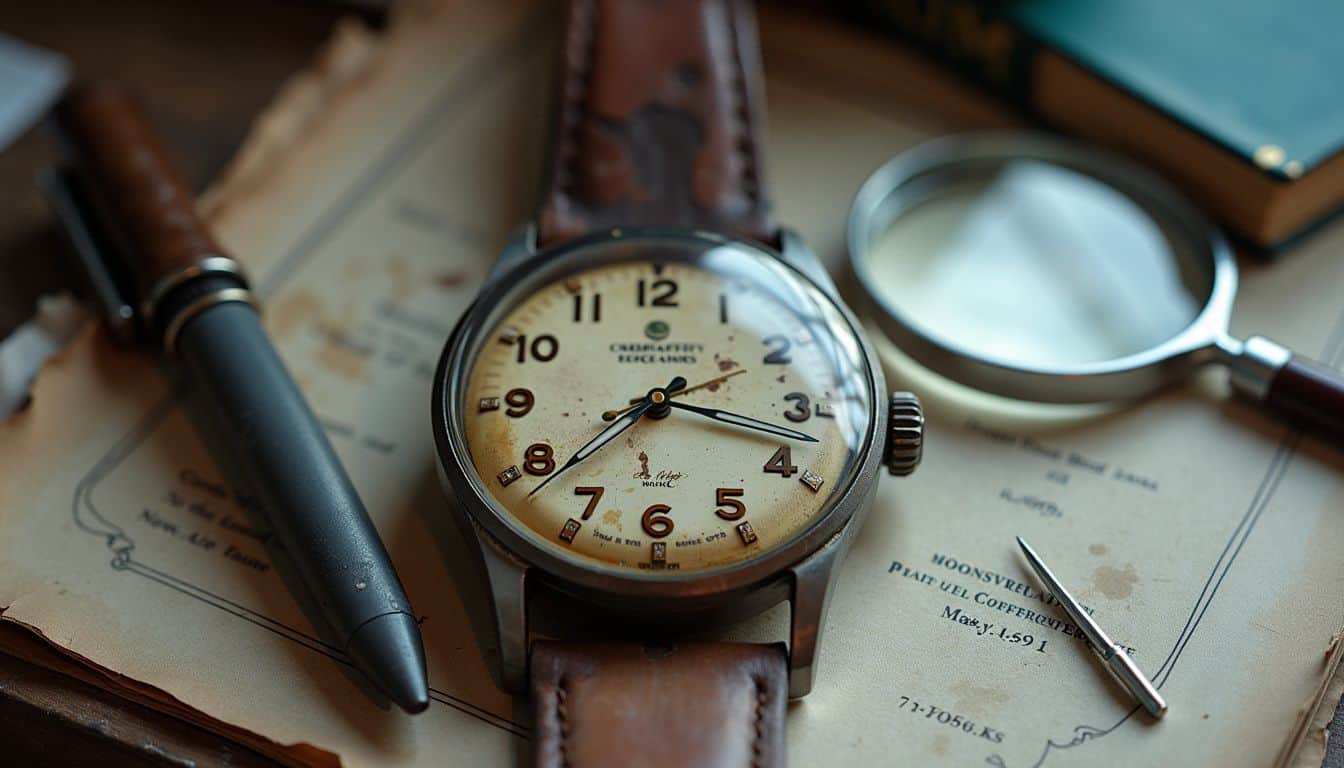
<point x="1123" y="667"/>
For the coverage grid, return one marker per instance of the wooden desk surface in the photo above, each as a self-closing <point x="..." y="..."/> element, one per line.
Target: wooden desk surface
<point x="203" y="70"/>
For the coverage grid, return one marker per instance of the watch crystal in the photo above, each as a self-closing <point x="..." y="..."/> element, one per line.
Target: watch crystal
<point x="664" y="409"/>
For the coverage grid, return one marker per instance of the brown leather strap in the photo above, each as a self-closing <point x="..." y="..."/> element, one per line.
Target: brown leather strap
<point x="659" y="121"/>
<point x="710" y="705"/>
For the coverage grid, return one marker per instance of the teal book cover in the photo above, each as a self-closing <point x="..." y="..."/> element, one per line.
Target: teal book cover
<point x="1245" y="95"/>
<point x="1253" y="76"/>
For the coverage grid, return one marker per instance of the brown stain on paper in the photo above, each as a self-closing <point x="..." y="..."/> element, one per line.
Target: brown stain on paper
<point x="978" y="699"/>
<point x="940" y="744"/>
<point x="1115" y="583"/>
<point x="451" y="280"/>
<point x="403" y="279"/>
<point x="340" y="360"/>
<point x="286" y="314"/>
<point x="1097" y="549"/>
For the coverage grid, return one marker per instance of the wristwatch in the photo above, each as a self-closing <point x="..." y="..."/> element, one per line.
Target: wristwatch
<point x="658" y="409"/>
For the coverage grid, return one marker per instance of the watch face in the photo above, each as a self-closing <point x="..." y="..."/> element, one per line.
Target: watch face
<point x="662" y="405"/>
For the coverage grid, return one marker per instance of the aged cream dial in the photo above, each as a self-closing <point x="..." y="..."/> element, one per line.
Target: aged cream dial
<point x="667" y="416"/>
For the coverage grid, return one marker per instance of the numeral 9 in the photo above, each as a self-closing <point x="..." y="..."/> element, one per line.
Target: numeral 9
<point x="520" y="402"/>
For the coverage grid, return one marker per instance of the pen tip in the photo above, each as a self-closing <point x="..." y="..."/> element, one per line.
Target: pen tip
<point x="388" y="649"/>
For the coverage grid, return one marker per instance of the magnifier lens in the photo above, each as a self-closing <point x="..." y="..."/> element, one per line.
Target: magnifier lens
<point x="1034" y="265"/>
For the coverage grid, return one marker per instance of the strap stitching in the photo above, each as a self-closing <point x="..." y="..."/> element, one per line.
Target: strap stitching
<point x="759" y="723"/>
<point x="572" y="111"/>
<point x="562" y="715"/>
<point x="744" y="144"/>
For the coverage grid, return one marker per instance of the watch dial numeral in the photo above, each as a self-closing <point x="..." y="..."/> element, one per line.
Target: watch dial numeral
<point x="539" y="459"/>
<point x="801" y="409"/>
<point x="779" y="352"/>
<point x="723" y="308"/>
<point x="544" y="348"/>
<point x="519" y="400"/>
<point x="594" y="494"/>
<point x="781" y="463"/>
<point x="656" y="521"/>
<point x="732" y="499"/>
<point x="596" y="307"/>
<point x="662" y="293"/>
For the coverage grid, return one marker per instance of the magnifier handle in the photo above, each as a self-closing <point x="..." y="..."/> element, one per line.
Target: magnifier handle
<point x="1306" y="392"/>
<point x="1296" y="388"/>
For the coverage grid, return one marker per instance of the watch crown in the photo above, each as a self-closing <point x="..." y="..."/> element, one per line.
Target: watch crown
<point x="905" y="433"/>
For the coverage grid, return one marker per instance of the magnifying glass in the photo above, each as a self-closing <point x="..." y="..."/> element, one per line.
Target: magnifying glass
<point x="1038" y="269"/>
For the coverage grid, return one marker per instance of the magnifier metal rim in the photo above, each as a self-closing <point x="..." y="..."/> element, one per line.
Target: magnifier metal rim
<point x="889" y="190"/>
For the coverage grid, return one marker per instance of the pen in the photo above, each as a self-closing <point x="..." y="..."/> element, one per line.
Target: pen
<point x="162" y="276"/>
<point x="1123" y="667"/>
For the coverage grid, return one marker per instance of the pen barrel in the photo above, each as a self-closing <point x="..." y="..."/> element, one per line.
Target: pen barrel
<point x="138" y="197"/>
<point x="273" y="437"/>
<point x="1130" y="676"/>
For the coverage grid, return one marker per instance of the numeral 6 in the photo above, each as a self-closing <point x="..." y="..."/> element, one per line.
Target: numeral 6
<point x="656" y="522"/>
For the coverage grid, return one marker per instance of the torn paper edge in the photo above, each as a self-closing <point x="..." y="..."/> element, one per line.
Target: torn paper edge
<point x="1312" y="718"/>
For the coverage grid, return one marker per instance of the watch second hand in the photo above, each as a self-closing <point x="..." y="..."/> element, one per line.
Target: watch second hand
<point x="610" y="415"/>
<point x="632" y="415"/>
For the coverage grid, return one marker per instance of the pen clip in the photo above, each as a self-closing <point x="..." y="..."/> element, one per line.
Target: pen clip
<point x="93" y="248"/>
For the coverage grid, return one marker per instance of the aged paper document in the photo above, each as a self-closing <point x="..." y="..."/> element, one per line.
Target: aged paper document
<point x="369" y="205"/>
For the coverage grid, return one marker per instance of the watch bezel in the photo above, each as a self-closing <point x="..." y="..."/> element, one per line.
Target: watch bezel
<point x="593" y="579"/>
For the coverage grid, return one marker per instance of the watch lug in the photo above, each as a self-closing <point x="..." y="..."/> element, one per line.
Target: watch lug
<point x="522" y="246"/>
<point x="507" y="579"/>
<point x="810" y="598"/>
<point x="798" y="255"/>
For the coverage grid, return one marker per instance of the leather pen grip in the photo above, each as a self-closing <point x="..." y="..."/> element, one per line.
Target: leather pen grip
<point x="136" y="192"/>
<point x="1310" y="394"/>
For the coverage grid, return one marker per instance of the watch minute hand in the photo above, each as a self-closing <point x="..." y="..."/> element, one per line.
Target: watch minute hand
<point x="603" y="437"/>
<point x="653" y="398"/>
<point x="744" y="421"/>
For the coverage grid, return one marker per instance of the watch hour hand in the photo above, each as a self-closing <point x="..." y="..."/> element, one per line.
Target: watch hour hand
<point x="673" y="391"/>
<point x="743" y="421"/>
